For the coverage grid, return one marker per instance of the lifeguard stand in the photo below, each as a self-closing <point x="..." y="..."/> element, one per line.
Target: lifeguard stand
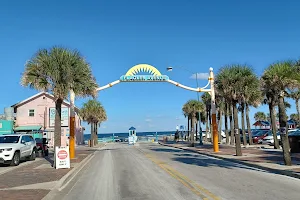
<point x="132" y="138"/>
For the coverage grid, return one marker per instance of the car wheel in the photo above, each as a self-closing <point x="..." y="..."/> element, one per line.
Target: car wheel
<point x="16" y="159"/>
<point x="33" y="154"/>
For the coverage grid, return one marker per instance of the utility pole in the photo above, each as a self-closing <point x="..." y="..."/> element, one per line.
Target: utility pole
<point x="213" y="111"/>
<point x="72" y="125"/>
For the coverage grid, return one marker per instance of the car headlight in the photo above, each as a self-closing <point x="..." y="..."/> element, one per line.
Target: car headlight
<point x="8" y="149"/>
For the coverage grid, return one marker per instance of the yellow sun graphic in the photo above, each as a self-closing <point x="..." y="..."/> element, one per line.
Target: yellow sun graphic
<point x="143" y="68"/>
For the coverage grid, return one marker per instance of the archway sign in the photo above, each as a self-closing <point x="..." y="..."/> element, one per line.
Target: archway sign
<point x="136" y="74"/>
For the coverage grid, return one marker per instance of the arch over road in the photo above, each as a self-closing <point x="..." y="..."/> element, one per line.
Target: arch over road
<point x="137" y="74"/>
<point x="154" y="75"/>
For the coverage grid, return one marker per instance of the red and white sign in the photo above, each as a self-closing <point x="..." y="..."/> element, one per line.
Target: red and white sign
<point x="62" y="157"/>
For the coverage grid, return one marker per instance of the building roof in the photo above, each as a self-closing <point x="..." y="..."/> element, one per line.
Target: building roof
<point x="38" y="95"/>
<point x="261" y="123"/>
<point x="132" y="128"/>
<point x="28" y="128"/>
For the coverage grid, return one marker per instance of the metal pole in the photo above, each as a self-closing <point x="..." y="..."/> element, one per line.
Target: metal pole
<point x="72" y="125"/>
<point x="156" y="137"/>
<point x="213" y="111"/>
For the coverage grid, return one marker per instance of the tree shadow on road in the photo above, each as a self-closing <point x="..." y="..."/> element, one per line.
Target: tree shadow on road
<point x="166" y="150"/>
<point x="204" y="161"/>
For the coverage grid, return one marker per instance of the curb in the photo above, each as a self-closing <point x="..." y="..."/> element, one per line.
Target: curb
<point x="62" y="183"/>
<point x="276" y="171"/>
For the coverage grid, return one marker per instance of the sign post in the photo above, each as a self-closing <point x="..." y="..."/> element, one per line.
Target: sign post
<point x="62" y="157"/>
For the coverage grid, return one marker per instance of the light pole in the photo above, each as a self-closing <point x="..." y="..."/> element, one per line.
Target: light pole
<point x="199" y="115"/>
<point x="72" y="125"/>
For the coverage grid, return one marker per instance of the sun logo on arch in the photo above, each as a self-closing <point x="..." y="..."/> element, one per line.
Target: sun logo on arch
<point x="143" y="68"/>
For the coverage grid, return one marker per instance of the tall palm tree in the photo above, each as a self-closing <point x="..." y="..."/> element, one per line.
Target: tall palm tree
<point x="260" y="116"/>
<point x="191" y="108"/>
<point x="232" y="81"/>
<point x="93" y="113"/>
<point x="206" y="99"/>
<point x="59" y="70"/>
<point x="279" y="77"/>
<point x="226" y="113"/>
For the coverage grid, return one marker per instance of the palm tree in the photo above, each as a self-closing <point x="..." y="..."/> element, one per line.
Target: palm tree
<point x="279" y="77"/>
<point x="93" y="113"/>
<point x="232" y="81"/>
<point x="296" y="96"/>
<point x="255" y="99"/>
<point x="206" y="99"/>
<point x="59" y="70"/>
<point x="191" y="108"/>
<point x="294" y="117"/>
<point x="226" y="112"/>
<point x="260" y="116"/>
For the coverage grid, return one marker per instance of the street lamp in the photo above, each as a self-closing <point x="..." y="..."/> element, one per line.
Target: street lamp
<point x="200" y="129"/>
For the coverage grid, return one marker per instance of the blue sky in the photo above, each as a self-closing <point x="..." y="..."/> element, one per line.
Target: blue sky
<point x="115" y="35"/>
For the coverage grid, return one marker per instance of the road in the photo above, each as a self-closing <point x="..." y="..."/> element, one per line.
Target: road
<point x="154" y="172"/>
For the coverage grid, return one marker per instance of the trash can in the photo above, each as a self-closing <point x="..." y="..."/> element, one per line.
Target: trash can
<point x="294" y="144"/>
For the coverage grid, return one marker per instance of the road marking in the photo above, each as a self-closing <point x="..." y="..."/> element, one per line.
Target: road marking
<point x="194" y="187"/>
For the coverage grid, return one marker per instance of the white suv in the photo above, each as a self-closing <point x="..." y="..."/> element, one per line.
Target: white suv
<point x="15" y="147"/>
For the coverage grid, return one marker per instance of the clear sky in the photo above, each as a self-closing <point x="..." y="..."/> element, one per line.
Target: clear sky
<point x="115" y="35"/>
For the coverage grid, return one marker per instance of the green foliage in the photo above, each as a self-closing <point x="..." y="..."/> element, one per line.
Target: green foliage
<point x="93" y="112"/>
<point x="58" y="70"/>
<point x="260" y="116"/>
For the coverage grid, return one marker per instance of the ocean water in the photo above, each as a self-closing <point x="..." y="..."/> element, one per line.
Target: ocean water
<point x="125" y="135"/>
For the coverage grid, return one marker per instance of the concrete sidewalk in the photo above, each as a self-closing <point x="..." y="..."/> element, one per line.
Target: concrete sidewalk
<point x="264" y="158"/>
<point x="35" y="180"/>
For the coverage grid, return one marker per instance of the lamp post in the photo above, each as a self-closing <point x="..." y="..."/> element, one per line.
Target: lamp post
<point x="72" y="125"/>
<point x="199" y="121"/>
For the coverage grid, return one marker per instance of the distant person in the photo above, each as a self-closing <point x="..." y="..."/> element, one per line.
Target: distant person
<point x="176" y="136"/>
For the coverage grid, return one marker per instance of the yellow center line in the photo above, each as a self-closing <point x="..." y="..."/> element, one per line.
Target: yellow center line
<point x="194" y="187"/>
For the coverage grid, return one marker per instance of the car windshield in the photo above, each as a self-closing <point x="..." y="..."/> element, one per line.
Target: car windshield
<point x="295" y="133"/>
<point x="9" y="139"/>
<point x="260" y="133"/>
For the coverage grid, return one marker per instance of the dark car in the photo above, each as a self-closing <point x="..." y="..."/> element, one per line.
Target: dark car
<point x="294" y="140"/>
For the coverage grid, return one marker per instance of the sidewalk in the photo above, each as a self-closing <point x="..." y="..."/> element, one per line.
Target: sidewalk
<point x="265" y="158"/>
<point x="35" y="180"/>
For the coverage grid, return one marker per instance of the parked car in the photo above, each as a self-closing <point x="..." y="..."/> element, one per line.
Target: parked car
<point x="269" y="139"/>
<point x="260" y="135"/>
<point x="294" y="140"/>
<point x="16" y="147"/>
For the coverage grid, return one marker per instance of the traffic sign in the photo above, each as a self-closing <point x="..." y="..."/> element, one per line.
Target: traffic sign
<point x="62" y="156"/>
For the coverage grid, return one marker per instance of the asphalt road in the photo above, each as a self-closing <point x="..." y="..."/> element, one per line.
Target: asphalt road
<point x="154" y="172"/>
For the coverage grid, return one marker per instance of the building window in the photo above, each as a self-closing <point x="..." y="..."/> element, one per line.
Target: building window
<point x="31" y="113"/>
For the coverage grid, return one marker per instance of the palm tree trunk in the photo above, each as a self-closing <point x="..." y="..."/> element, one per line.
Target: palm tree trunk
<point x="238" y="148"/>
<point x="284" y="132"/>
<point x="206" y="127"/>
<point x="248" y="124"/>
<point x="188" y="135"/>
<point x="243" y="124"/>
<point x="220" y="125"/>
<point x="226" y="123"/>
<point x="192" y="131"/>
<point x="92" y="134"/>
<point x="96" y="133"/>
<point x="57" y="127"/>
<point x="196" y="130"/>
<point x="211" y="126"/>
<point x="232" y="140"/>
<point x="298" y="111"/>
<point x="273" y="124"/>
